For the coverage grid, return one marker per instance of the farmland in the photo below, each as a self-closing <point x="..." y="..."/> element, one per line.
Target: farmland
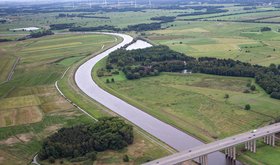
<point x="31" y="107"/>
<point x="239" y="41"/>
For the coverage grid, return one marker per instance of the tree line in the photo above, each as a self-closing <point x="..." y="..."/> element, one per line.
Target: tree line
<point x="61" y="26"/>
<point x="77" y="141"/>
<point x="138" y="27"/>
<point x="151" y="61"/>
<point x="164" y="19"/>
<point x="97" y="28"/>
<point x="81" y="15"/>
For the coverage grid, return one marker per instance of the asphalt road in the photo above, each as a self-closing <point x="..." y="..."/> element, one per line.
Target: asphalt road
<point x="217" y="145"/>
<point x="166" y="133"/>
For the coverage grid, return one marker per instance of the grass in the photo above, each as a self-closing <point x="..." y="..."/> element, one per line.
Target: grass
<point x="32" y="87"/>
<point x="32" y="109"/>
<point x="198" y="98"/>
<point x="239" y="41"/>
<point x="182" y="100"/>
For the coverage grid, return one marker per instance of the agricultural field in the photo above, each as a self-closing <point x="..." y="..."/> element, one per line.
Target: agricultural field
<point x="32" y="109"/>
<point x="239" y="41"/>
<point x="248" y="16"/>
<point x="115" y="19"/>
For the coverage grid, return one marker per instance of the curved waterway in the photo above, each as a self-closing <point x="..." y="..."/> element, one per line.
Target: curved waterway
<point x="139" y="44"/>
<point x="166" y="133"/>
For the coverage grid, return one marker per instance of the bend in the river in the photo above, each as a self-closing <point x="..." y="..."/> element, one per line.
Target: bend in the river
<point x="166" y="133"/>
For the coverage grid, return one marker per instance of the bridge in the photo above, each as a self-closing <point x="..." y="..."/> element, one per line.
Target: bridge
<point x="199" y="154"/>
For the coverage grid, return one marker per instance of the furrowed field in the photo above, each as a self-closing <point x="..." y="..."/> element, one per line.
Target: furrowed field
<point x="31" y="107"/>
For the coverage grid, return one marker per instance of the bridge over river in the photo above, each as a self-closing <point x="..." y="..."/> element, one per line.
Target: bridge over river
<point x="228" y="145"/>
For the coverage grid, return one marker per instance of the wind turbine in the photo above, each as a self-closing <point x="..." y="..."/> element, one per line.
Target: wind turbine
<point x="135" y="5"/>
<point x="105" y="2"/>
<point x="150" y="3"/>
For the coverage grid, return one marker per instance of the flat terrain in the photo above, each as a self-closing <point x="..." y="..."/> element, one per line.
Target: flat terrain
<point x="196" y="103"/>
<point x="239" y="41"/>
<point x="184" y="99"/>
<point x="31" y="108"/>
<point x="199" y="99"/>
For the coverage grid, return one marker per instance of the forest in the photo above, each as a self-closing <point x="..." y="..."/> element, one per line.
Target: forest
<point x="151" y="61"/>
<point x="78" y="141"/>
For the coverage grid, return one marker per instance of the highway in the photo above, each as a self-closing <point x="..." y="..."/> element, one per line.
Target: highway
<point x="164" y="132"/>
<point x="217" y="146"/>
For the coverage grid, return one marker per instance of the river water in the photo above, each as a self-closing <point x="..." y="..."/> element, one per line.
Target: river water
<point x="139" y="44"/>
<point x="166" y="133"/>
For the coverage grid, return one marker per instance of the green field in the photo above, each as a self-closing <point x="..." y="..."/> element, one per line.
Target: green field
<point x="239" y="41"/>
<point x="196" y="103"/>
<point x="32" y="109"/>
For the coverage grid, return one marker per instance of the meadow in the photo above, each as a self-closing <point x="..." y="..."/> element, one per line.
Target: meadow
<point x="32" y="109"/>
<point x="239" y="41"/>
<point x="196" y="104"/>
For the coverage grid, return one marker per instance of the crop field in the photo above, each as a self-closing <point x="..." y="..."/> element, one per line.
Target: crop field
<point x="31" y="108"/>
<point x="248" y="16"/>
<point x="239" y="41"/>
<point x="116" y="19"/>
<point x="30" y="105"/>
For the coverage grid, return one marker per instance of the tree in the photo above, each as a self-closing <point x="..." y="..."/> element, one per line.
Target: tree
<point x="112" y="80"/>
<point x="247" y="107"/>
<point x="107" y="81"/>
<point x="226" y="96"/>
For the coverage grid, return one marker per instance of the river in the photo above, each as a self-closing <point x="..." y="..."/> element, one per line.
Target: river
<point x="166" y="133"/>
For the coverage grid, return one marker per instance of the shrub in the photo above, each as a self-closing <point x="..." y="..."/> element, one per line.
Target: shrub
<point x="253" y="88"/>
<point x="51" y="160"/>
<point x="265" y="29"/>
<point x="125" y="158"/>
<point x="247" y="107"/>
<point x="91" y="156"/>
<point x="246" y="91"/>
<point x="226" y="96"/>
